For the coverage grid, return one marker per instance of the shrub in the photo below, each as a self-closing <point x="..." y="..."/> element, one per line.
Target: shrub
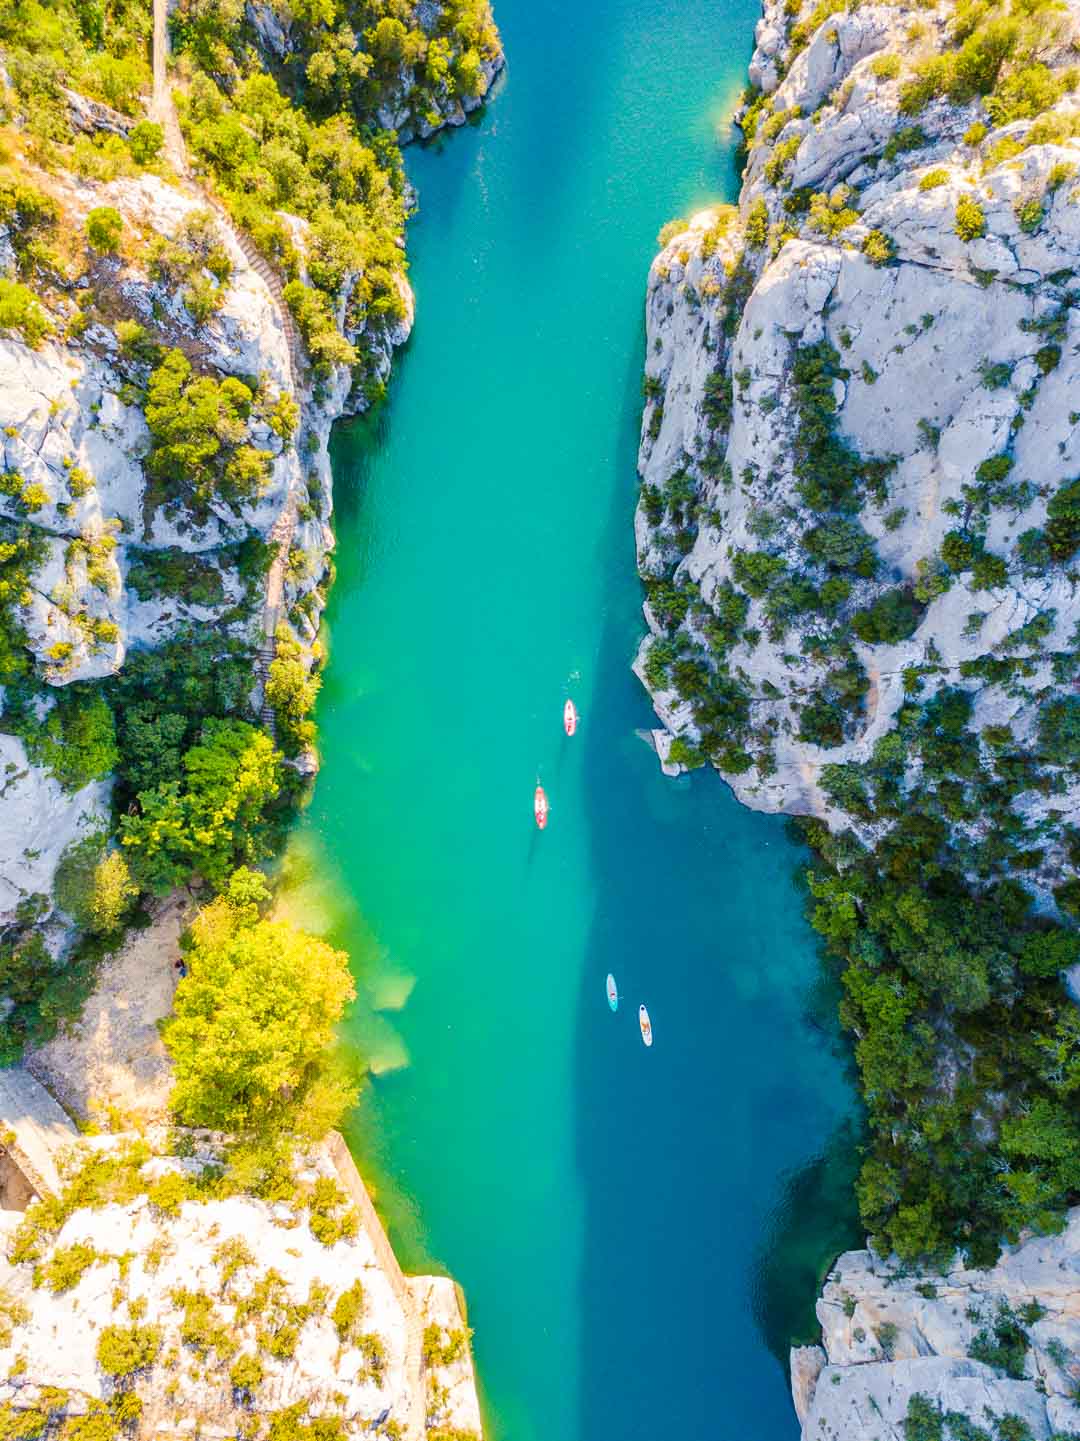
<point x="957" y="551"/>
<point x="970" y="221"/>
<point x="79" y="483"/>
<point x="886" y="67"/>
<point x="878" y="247"/>
<point x="1029" y="214"/>
<point x="1025" y="93"/>
<point x="934" y="178"/>
<point x="995" y="376"/>
<point x="841" y="544"/>
<point x="20" y="311"/>
<point x="1059" y="732"/>
<point x="821" y="722"/>
<point x="169" y="1192"/>
<point x="246" y="1373"/>
<point x="988" y="572"/>
<point x="669" y="230"/>
<point x="757" y="223"/>
<point x="348" y="1311"/>
<point x="77" y="740"/>
<point x="326" y="346"/>
<point x="291" y="690"/>
<point x="104" y="230"/>
<point x="123" y="1350"/>
<point x="829" y="215"/>
<point x="146" y="140"/>
<point x="203" y="299"/>
<point x="908" y="137"/>
<point x="1046" y="953"/>
<point x="1062" y="535"/>
<point x="96" y="1425"/>
<point x="756" y="570"/>
<point x="66" y="1266"/>
<point x="923" y="1421"/>
<point x="1004" y="1345"/>
<point x="284" y="418"/>
<point x="783" y="154"/>
<point x="197" y="427"/>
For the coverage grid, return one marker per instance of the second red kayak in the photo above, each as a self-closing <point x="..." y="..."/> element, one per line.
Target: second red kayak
<point x="540" y="807"/>
<point x="569" y="718"/>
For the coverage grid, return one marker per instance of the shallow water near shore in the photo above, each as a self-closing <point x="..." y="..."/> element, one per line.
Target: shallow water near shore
<point x="639" y="1233"/>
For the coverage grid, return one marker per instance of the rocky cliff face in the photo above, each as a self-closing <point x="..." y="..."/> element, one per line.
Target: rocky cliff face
<point x="139" y="1295"/>
<point x="985" y="1346"/>
<point x="857" y="531"/>
<point x="118" y="563"/>
<point x="860" y="422"/>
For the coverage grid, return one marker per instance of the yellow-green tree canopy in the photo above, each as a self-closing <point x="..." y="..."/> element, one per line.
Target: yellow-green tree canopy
<point x="254" y="1020"/>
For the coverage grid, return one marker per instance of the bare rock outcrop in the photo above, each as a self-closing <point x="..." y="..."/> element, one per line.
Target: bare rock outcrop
<point x="981" y="1345"/>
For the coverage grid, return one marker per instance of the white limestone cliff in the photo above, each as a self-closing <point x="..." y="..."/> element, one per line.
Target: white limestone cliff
<point x="889" y="1335"/>
<point x="918" y="336"/>
<point x="303" y="1291"/>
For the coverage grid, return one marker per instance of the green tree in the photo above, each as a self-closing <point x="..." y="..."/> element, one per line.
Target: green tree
<point x="104" y="229"/>
<point x="254" y="1017"/>
<point x="77" y="740"/>
<point x="198" y="426"/>
<point x="291" y="690"/>
<point x="209" y="821"/>
<point x="94" y="886"/>
<point x="146" y="140"/>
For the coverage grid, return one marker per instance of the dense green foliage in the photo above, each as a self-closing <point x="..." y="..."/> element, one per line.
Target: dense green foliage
<point x="968" y="1049"/>
<point x="291" y="690"/>
<point x="93" y="885"/>
<point x="208" y="820"/>
<point x="99" y="48"/>
<point x="254" y="1019"/>
<point x="21" y="552"/>
<point x="925" y="1421"/>
<point x="967" y="1046"/>
<point x="198" y="428"/>
<point x="76" y="740"/>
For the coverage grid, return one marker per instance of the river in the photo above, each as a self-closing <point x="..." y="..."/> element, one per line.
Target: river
<point x="639" y="1233"/>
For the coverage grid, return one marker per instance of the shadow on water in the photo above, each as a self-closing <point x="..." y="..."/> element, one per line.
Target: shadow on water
<point x="814" y="1220"/>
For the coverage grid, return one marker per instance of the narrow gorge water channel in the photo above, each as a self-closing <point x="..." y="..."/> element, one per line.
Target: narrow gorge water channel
<point x="638" y="1233"/>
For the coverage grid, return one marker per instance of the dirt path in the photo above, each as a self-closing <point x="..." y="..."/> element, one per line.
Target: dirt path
<point x="162" y="104"/>
<point x="113" y="1057"/>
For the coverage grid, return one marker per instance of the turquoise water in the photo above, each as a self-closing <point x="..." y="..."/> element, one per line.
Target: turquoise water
<point x="639" y="1233"/>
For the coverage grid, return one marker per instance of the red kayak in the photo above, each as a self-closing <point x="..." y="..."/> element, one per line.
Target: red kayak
<point x="540" y="807"/>
<point x="569" y="718"/>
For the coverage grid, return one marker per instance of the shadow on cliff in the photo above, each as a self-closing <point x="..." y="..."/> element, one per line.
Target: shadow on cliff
<point x="700" y="1157"/>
